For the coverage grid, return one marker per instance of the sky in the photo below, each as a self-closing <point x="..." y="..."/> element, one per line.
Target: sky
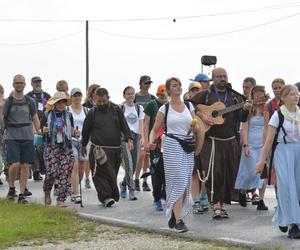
<point x="128" y="39"/>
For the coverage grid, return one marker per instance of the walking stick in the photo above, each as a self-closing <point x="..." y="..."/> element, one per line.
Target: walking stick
<point x="80" y="190"/>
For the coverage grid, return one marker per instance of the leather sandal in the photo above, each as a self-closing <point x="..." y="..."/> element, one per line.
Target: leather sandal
<point x="217" y="214"/>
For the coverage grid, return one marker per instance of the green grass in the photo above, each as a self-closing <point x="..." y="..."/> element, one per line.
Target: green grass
<point x="37" y="223"/>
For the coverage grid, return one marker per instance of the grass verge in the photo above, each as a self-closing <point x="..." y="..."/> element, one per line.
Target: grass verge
<point x="27" y="222"/>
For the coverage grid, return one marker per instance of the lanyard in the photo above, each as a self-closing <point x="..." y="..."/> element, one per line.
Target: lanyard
<point x="59" y="123"/>
<point x="42" y="97"/>
<point x="217" y="94"/>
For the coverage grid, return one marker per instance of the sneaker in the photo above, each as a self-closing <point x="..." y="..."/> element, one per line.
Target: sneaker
<point x="36" y="176"/>
<point x="56" y="191"/>
<point x="294" y="232"/>
<point x="11" y="193"/>
<point x="123" y="190"/>
<point x="77" y="199"/>
<point x="137" y="185"/>
<point x="146" y="188"/>
<point x="172" y="221"/>
<point x="22" y="199"/>
<point x="132" y="196"/>
<point x="242" y="199"/>
<point x="197" y="208"/>
<point x="27" y="192"/>
<point x="158" y="206"/>
<point x="283" y="229"/>
<point x="109" y="202"/>
<point x="87" y="184"/>
<point x="180" y="227"/>
<point x="261" y="206"/>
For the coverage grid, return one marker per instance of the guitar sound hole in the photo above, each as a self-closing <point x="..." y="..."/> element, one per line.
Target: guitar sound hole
<point x="214" y="114"/>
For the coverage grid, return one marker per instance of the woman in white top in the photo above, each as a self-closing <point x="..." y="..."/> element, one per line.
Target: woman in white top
<point x="78" y="112"/>
<point x="178" y="163"/>
<point x="134" y="114"/>
<point x="286" y="161"/>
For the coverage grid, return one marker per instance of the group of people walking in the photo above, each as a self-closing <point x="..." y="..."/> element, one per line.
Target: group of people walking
<point x="216" y="143"/>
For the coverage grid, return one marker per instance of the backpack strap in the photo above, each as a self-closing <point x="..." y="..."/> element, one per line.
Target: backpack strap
<point x="167" y="105"/>
<point x="270" y="109"/>
<point x="137" y="108"/>
<point x="274" y="144"/>
<point x="85" y="110"/>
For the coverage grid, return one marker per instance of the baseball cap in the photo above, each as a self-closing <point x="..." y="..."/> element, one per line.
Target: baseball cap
<point x="195" y="85"/>
<point x="36" y="78"/>
<point x="161" y="89"/>
<point x="145" y="79"/>
<point x="75" y="90"/>
<point x="201" y="78"/>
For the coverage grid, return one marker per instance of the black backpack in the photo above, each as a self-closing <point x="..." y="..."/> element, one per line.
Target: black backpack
<point x="274" y="144"/>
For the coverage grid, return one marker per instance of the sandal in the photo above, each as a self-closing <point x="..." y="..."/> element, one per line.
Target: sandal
<point x="217" y="214"/>
<point x="224" y="214"/>
<point x="255" y="199"/>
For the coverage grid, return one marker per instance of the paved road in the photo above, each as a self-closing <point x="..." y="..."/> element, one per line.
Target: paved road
<point x="245" y="226"/>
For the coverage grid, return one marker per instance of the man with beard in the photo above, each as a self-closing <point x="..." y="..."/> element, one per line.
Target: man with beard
<point x="104" y="125"/>
<point x="40" y="98"/>
<point x="220" y="143"/>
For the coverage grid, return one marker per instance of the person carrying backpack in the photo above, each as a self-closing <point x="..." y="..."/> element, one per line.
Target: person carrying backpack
<point x="284" y="133"/>
<point x="19" y="114"/>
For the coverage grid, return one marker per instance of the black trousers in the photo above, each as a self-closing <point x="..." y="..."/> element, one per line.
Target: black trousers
<point x="157" y="175"/>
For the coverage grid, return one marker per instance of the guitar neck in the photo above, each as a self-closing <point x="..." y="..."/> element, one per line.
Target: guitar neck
<point x="231" y="108"/>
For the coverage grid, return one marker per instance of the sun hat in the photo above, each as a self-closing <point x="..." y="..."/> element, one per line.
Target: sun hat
<point x="58" y="96"/>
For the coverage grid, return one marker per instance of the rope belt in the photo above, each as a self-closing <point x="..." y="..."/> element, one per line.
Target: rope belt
<point x="212" y="163"/>
<point x="96" y="148"/>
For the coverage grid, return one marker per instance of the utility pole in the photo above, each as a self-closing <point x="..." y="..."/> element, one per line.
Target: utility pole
<point x="87" y="52"/>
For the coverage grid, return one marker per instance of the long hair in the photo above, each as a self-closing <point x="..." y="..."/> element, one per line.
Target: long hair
<point x="91" y="91"/>
<point x="260" y="106"/>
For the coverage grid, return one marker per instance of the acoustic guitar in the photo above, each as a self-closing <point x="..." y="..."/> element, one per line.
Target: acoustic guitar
<point x="218" y="109"/>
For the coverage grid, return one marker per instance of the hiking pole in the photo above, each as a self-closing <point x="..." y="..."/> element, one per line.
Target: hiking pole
<point x="80" y="190"/>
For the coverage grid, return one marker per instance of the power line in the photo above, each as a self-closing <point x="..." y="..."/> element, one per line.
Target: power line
<point x="43" y="41"/>
<point x="261" y="9"/>
<point x="199" y="36"/>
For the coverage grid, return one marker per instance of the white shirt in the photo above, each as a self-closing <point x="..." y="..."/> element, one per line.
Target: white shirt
<point x="178" y="123"/>
<point x="78" y="119"/>
<point x="291" y="136"/>
<point x="132" y="118"/>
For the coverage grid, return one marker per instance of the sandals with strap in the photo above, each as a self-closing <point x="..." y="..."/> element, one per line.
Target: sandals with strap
<point x="217" y="214"/>
<point x="224" y="214"/>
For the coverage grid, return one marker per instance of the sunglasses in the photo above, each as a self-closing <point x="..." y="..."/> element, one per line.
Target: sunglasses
<point x="147" y="83"/>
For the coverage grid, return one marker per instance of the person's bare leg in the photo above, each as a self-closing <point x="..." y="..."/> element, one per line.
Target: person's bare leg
<point x="177" y="208"/>
<point x="195" y="187"/>
<point x="12" y="173"/>
<point x="75" y="178"/>
<point x="24" y="177"/>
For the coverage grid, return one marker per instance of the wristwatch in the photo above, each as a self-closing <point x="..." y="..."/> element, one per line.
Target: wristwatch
<point x="245" y="145"/>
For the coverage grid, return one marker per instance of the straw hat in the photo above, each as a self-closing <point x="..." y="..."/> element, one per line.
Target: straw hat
<point x="58" y="96"/>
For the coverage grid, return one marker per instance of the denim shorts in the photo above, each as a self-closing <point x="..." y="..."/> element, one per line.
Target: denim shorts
<point x="76" y="151"/>
<point x="21" y="151"/>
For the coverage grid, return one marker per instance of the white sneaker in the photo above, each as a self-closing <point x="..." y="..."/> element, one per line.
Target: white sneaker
<point x="109" y="202"/>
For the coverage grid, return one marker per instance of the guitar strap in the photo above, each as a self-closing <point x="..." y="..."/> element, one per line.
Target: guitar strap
<point x="237" y="93"/>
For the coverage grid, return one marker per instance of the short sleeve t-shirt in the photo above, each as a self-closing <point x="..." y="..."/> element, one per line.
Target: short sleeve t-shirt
<point x="143" y="100"/>
<point x="151" y="110"/>
<point x="78" y="119"/>
<point x="178" y="123"/>
<point x="21" y="112"/>
<point x="291" y="136"/>
<point x="132" y="118"/>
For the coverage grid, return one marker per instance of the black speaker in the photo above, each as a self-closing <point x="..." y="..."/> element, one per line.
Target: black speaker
<point x="208" y="60"/>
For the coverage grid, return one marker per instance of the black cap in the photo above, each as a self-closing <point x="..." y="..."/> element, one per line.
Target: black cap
<point x="145" y="79"/>
<point x="36" y="78"/>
